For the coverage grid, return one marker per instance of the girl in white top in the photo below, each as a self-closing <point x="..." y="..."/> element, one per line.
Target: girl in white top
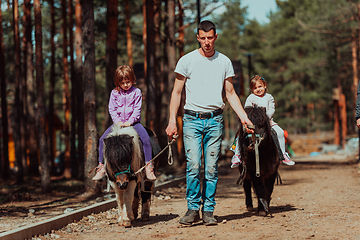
<point x="260" y="98"/>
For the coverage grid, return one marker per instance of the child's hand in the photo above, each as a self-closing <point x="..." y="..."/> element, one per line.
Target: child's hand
<point x="120" y="124"/>
<point x="126" y="124"/>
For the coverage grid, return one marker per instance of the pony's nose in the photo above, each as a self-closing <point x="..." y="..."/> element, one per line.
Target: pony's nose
<point x="122" y="185"/>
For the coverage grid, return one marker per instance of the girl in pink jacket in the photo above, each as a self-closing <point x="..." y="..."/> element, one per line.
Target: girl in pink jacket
<point x="125" y="108"/>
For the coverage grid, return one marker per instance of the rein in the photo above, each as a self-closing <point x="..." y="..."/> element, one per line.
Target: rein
<point x="170" y="158"/>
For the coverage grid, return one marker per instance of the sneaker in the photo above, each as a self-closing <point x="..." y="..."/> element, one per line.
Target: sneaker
<point x="208" y="219"/>
<point x="190" y="217"/>
<point x="235" y="161"/>
<point x="100" y="172"/>
<point x="149" y="171"/>
<point x="287" y="160"/>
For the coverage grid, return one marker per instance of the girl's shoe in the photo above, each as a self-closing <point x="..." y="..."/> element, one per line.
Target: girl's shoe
<point x="149" y="171"/>
<point x="287" y="160"/>
<point x="100" y="172"/>
<point x="235" y="161"/>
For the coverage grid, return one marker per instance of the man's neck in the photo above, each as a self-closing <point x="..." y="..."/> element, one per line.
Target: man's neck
<point x="206" y="54"/>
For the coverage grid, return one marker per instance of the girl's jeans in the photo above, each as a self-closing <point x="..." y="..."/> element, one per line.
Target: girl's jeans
<point x="209" y="132"/>
<point x="144" y="137"/>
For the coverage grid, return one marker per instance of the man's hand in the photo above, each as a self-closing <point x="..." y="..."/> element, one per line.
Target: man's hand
<point x="171" y="130"/>
<point x="358" y="123"/>
<point x="245" y="123"/>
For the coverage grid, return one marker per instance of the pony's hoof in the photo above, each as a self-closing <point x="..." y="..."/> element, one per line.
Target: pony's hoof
<point x="125" y="224"/>
<point x="145" y="217"/>
<point x="262" y="213"/>
<point x="250" y="209"/>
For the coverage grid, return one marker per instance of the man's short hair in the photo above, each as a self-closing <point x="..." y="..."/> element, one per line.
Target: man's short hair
<point x="206" y="26"/>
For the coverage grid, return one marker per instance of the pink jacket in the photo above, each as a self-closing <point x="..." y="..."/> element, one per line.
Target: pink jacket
<point x="125" y="106"/>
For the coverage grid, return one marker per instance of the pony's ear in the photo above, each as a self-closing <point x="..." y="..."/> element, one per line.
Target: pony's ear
<point x="128" y="137"/>
<point x="263" y="109"/>
<point x="105" y="141"/>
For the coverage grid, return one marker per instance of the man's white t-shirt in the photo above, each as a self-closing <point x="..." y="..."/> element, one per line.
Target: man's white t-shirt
<point x="204" y="80"/>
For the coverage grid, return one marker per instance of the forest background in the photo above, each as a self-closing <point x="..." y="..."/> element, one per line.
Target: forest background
<point x="57" y="59"/>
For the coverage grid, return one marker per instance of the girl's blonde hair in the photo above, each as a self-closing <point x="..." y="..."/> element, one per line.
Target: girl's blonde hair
<point x="121" y="73"/>
<point x="256" y="78"/>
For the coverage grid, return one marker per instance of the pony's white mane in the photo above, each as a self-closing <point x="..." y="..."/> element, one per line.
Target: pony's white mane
<point x="137" y="156"/>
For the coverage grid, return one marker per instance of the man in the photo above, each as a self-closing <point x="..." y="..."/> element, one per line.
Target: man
<point x="205" y="73"/>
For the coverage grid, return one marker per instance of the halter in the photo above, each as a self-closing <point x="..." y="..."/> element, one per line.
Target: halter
<point x="126" y="171"/>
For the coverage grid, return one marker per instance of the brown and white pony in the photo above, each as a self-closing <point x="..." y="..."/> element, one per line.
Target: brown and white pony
<point x="123" y="155"/>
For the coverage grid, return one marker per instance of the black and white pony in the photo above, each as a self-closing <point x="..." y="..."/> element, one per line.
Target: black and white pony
<point x="260" y="158"/>
<point x="123" y="155"/>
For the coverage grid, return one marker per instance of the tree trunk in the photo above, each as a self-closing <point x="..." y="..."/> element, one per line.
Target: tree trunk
<point x="150" y="75"/>
<point x="80" y="89"/>
<point x="343" y="117"/>
<point x="18" y="107"/>
<point x="73" y="149"/>
<point x="181" y="39"/>
<point x="89" y="94"/>
<point x="4" y="166"/>
<point x="144" y="38"/>
<point x="51" y="132"/>
<point x="23" y="98"/>
<point x="31" y="135"/>
<point x="158" y="66"/>
<point x="171" y="60"/>
<point x="40" y="116"/>
<point x="181" y="31"/>
<point x="354" y="65"/>
<point x="128" y="33"/>
<point x="66" y="92"/>
<point x="358" y="82"/>
<point x="111" y="53"/>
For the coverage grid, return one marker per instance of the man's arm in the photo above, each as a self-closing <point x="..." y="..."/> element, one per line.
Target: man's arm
<point x="235" y="103"/>
<point x="171" y="129"/>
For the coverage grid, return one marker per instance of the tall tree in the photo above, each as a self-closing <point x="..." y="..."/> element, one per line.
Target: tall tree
<point x="111" y="52"/>
<point x="40" y="116"/>
<point x="66" y="90"/>
<point x="31" y="135"/>
<point x="231" y="23"/>
<point x="128" y="33"/>
<point x="144" y="37"/>
<point x="18" y="108"/>
<point x="80" y="88"/>
<point x="4" y="166"/>
<point x="170" y="47"/>
<point x="52" y="81"/>
<point x="89" y="93"/>
<point x="150" y="71"/>
<point x="73" y="149"/>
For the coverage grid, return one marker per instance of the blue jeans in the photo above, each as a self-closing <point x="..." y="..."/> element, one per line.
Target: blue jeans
<point x="209" y="132"/>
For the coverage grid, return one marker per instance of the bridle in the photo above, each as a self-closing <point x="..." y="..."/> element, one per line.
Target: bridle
<point x="254" y="145"/>
<point x="126" y="171"/>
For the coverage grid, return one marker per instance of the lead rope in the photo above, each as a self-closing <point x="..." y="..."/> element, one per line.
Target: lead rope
<point x="257" y="157"/>
<point x="256" y="141"/>
<point x="170" y="158"/>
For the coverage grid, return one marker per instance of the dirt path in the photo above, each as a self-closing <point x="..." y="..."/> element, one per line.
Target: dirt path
<point x="315" y="201"/>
